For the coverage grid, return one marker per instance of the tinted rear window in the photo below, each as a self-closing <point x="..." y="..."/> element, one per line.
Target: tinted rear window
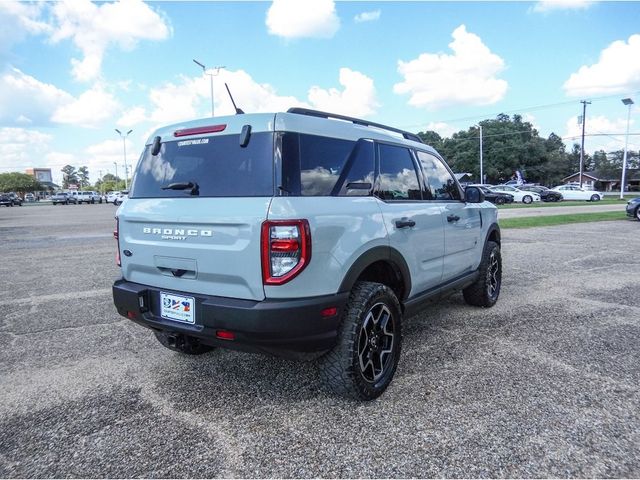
<point x="319" y="166"/>
<point x="219" y="165"/>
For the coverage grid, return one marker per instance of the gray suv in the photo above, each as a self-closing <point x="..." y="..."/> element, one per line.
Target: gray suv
<point x="302" y="234"/>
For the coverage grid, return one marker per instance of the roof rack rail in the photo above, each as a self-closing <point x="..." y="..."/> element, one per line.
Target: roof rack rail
<point x="357" y="121"/>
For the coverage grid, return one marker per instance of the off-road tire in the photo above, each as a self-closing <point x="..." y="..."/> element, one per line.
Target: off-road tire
<point x="183" y="344"/>
<point x="341" y="368"/>
<point x="484" y="292"/>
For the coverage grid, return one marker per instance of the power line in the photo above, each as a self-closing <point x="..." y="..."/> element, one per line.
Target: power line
<point x="523" y="109"/>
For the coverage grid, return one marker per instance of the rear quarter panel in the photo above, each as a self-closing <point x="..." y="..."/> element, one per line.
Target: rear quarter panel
<point x="342" y="229"/>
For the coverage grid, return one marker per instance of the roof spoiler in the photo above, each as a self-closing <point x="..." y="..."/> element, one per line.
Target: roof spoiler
<point x="357" y="121"/>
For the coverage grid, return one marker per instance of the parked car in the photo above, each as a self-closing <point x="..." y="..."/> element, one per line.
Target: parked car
<point x="88" y="197"/>
<point x="63" y="198"/>
<point x="518" y="195"/>
<point x="633" y="208"/>
<point x="546" y="194"/>
<point x="299" y="233"/>
<point x="5" y="200"/>
<point x="574" y="192"/>
<point x="111" y="197"/>
<point x="494" y="197"/>
<point x="15" y="198"/>
<point x="29" y="197"/>
<point x="121" y="197"/>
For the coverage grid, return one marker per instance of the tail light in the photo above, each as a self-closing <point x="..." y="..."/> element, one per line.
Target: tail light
<point x="116" y="235"/>
<point x="286" y="250"/>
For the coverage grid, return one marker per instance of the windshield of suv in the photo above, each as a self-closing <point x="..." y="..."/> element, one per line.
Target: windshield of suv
<point x="218" y="165"/>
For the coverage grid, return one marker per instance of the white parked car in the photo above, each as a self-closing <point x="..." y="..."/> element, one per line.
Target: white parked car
<point x="111" y="196"/>
<point x="122" y="196"/>
<point x="574" y="192"/>
<point x="518" y="195"/>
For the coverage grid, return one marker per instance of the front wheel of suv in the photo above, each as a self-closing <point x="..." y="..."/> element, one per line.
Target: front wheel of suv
<point x="365" y="358"/>
<point x="485" y="290"/>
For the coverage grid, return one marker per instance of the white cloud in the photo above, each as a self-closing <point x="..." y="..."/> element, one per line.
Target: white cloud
<point x="190" y="97"/>
<point x="441" y="128"/>
<point x="21" y="148"/>
<point x="19" y="19"/>
<point x="468" y="77"/>
<point x="617" y="71"/>
<point x="132" y="117"/>
<point x="545" y="6"/>
<point x="26" y="100"/>
<point x="102" y="157"/>
<point x="597" y="125"/>
<point x="367" y="16"/>
<point x="358" y="98"/>
<point x="95" y="27"/>
<point x="299" y="19"/>
<point x="89" y="110"/>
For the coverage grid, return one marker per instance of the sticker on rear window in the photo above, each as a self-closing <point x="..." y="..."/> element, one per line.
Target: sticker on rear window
<point x="196" y="141"/>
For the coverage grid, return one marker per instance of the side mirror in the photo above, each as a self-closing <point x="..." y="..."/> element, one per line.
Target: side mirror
<point x="473" y="195"/>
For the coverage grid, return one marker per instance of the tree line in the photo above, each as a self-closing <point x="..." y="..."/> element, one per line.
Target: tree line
<point x="510" y="144"/>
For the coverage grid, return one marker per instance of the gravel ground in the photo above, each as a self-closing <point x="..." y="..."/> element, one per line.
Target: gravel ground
<point x="545" y="384"/>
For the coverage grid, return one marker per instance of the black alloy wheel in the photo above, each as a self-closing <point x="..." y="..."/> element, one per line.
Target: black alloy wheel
<point x="375" y="343"/>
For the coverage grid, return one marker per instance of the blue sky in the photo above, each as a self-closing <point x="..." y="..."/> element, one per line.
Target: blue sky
<point x="71" y="72"/>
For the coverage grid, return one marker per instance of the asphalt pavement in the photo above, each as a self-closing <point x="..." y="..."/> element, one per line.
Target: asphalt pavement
<point x="545" y="384"/>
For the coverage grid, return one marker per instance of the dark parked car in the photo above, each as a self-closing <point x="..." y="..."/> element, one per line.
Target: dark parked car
<point x="546" y="195"/>
<point x="15" y="198"/>
<point x="633" y="207"/>
<point x="495" y="197"/>
<point x="5" y="200"/>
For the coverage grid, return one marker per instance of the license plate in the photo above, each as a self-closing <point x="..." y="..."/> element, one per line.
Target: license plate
<point x="177" y="307"/>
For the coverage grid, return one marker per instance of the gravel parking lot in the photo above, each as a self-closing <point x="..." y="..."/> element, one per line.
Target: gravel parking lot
<point x="546" y="384"/>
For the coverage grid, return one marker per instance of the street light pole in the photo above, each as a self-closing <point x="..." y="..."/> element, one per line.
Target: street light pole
<point x="116" y="164"/>
<point x="481" y="171"/>
<point x="584" y="120"/>
<point x="628" y="102"/>
<point x="124" y="147"/>
<point x="211" y="75"/>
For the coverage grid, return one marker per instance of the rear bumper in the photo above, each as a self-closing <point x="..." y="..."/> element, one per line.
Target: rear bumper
<point x="284" y="327"/>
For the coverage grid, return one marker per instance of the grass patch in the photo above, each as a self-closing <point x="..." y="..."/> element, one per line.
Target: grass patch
<point x="546" y="221"/>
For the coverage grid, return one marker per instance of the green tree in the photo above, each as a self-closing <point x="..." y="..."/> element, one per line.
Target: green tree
<point x="69" y="176"/>
<point x="83" y="177"/>
<point x="18" y="182"/>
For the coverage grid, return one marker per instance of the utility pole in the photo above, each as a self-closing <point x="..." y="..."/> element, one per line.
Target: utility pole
<point x="628" y="102"/>
<point x="584" y="120"/>
<point x="481" y="172"/>
<point x="211" y="75"/>
<point x="124" y="146"/>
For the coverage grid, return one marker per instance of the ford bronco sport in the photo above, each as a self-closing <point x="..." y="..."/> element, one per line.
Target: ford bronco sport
<point x="302" y="234"/>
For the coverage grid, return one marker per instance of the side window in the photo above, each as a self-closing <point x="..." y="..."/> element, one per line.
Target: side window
<point x="398" y="178"/>
<point x="358" y="174"/>
<point x="313" y="164"/>
<point x="441" y="183"/>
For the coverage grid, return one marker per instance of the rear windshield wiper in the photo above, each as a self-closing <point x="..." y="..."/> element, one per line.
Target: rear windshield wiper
<point x="195" y="189"/>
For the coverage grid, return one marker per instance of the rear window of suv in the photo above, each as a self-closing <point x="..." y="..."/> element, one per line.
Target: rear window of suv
<point x="218" y="165"/>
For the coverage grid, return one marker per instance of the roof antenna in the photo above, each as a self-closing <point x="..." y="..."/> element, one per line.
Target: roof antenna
<point x="238" y="110"/>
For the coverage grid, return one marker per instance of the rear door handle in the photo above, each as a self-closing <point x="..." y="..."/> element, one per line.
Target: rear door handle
<point x="452" y="218"/>
<point x="404" y="223"/>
